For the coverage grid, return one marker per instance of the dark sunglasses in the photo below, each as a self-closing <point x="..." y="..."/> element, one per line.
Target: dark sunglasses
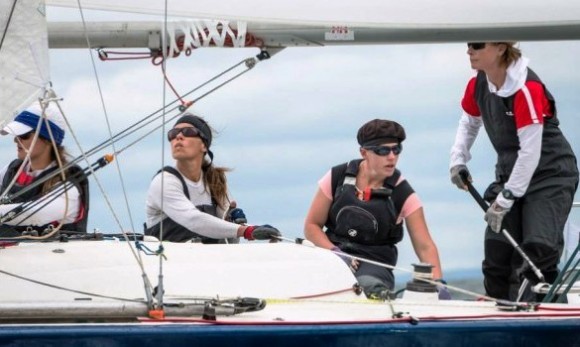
<point x="187" y="132"/>
<point x="476" y="45"/>
<point x="386" y="150"/>
<point x="26" y="136"/>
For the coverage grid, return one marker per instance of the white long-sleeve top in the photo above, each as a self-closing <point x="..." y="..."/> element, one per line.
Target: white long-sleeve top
<point x="53" y="212"/>
<point x="182" y="210"/>
<point x="530" y="107"/>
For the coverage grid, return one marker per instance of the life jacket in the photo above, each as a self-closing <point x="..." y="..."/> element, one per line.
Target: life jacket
<point x="74" y="174"/>
<point x="372" y="222"/>
<point x="557" y="158"/>
<point x="175" y="232"/>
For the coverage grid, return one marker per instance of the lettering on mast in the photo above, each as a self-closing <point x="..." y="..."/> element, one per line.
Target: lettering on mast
<point x="339" y="33"/>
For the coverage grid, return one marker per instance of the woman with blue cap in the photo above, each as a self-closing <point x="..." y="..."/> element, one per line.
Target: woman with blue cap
<point x="35" y="176"/>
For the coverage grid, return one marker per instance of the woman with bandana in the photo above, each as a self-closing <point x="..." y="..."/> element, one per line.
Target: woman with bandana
<point x="190" y="202"/>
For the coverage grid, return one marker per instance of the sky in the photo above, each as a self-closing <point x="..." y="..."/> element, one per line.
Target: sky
<point x="285" y="123"/>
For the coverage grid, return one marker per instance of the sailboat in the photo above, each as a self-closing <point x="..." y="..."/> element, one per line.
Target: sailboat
<point x="107" y="290"/>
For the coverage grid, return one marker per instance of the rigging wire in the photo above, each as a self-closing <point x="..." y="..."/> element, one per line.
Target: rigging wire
<point x="151" y="118"/>
<point x="8" y="23"/>
<point x="102" y="100"/>
<point x="250" y="63"/>
<point x="66" y="289"/>
<point x="161" y="291"/>
<point x="146" y="121"/>
<point x="59" y="160"/>
<point x="52" y="193"/>
<point x="136" y="255"/>
<point x="567" y="273"/>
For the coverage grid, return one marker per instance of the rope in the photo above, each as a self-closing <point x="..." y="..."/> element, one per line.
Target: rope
<point x="306" y="243"/>
<point x="148" y="251"/>
<point x="59" y="161"/>
<point x="197" y="39"/>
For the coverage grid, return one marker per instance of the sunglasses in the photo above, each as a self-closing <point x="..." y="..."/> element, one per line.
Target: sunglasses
<point x="476" y="45"/>
<point x="386" y="150"/>
<point x="187" y="132"/>
<point x="26" y="136"/>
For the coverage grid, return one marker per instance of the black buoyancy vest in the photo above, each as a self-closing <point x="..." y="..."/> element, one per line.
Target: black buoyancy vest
<point x="74" y="174"/>
<point x="372" y="222"/>
<point x="175" y="232"/>
<point x="557" y="158"/>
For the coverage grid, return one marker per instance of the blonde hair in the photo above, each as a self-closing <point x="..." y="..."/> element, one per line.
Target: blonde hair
<point x="511" y="54"/>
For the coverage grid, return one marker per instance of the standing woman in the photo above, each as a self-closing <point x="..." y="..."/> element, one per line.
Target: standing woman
<point x="191" y="200"/>
<point x="34" y="177"/>
<point x="536" y="170"/>
<point x="362" y="205"/>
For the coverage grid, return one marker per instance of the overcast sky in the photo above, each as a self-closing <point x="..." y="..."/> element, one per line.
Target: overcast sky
<point x="285" y="123"/>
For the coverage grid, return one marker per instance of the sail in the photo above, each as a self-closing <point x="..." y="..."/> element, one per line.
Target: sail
<point x="364" y="13"/>
<point x="24" y="68"/>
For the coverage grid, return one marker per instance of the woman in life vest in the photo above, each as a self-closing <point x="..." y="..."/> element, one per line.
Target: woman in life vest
<point x="190" y="202"/>
<point x="536" y="170"/>
<point x="34" y="178"/>
<point x="362" y="205"/>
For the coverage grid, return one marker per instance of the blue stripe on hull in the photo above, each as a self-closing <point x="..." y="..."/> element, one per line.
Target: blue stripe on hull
<point x="472" y="334"/>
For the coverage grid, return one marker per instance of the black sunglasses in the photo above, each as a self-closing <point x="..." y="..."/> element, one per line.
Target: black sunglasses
<point x="386" y="150"/>
<point x="476" y="45"/>
<point x="26" y="136"/>
<point x="187" y="132"/>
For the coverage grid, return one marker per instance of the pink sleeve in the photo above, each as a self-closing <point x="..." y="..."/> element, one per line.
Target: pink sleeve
<point x="412" y="204"/>
<point x="325" y="185"/>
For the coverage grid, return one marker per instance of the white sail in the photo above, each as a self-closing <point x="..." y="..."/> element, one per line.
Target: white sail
<point x="24" y="64"/>
<point x="367" y="13"/>
<point x="321" y="23"/>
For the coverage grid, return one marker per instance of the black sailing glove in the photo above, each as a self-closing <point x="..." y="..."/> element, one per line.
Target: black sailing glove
<point x="261" y="232"/>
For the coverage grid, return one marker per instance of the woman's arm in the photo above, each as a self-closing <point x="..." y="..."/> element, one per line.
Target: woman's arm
<point x="183" y="211"/>
<point x="422" y="242"/>
<point x="315" y="220"/>
<point x="465" y="136"/>
<point x="64" y="208"/>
